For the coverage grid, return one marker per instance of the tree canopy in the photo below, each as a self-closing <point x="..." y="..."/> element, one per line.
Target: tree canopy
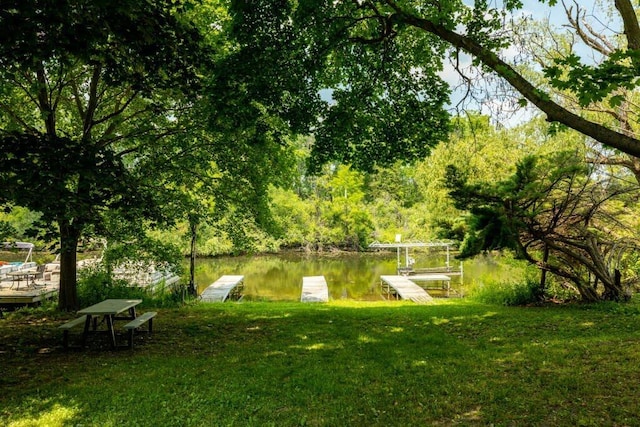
<point x="416" y="37"/>
<point x="365" y="103"/>
<point x="118" y="110"/>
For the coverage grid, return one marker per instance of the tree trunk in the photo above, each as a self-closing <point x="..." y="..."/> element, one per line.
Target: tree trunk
<point x="68" y="296"/>
<point x="192" y="264"/>
<point x="614" y="291"/>
<point x="543" y="273"/>
<point x="588" y="294"/>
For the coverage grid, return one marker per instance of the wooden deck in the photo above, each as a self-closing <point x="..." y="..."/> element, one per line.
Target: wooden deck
<point x="226" y="287"/>
<point x="402" y="287"/>
<point x="27" y="294"/>
<point x="314" y="289"/>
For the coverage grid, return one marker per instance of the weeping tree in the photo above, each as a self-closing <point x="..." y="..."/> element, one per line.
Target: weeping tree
<point x="556" y="213"/>
<point x="88" y="92"/>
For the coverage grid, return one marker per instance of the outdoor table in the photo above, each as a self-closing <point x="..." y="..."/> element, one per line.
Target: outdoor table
<point x="18" y="275"/>
<point x="109" y="309"/>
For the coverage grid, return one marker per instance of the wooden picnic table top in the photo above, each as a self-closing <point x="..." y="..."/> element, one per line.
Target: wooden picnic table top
<point x="110" y="307"/>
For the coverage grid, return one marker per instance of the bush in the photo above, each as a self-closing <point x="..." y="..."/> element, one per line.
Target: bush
<point x="558" y="291"/>
<point x="48" y="308"/>
<point x="507" y="293"/>
<point x="95" y="285"/>
<point x="501" y="278"/>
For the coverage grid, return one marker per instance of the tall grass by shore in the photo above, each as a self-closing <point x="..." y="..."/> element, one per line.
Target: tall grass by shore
<point x="455" y="362"/>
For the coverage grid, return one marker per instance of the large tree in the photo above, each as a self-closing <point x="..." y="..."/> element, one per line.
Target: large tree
<point x="88" y="91"/>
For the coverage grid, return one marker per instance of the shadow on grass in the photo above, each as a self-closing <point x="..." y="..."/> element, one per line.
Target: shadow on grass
<point x="335" y="364"/>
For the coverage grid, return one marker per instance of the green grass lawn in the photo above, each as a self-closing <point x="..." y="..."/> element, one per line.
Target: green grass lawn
<point x="361" y="364"/>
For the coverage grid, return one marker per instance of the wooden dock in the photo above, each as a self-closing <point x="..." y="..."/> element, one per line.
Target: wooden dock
<point x="226" y="287"/>
<point x="403" y="288"/>
<point x="314" y="289"/>
<point x="443" y="281"/>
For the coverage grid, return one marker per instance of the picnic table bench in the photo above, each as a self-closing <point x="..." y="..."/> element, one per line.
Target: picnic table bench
<point x="69" y="325"/>
<point x="138" y="322"/>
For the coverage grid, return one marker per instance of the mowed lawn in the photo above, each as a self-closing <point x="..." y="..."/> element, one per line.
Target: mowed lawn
<point x="454" y="362"/>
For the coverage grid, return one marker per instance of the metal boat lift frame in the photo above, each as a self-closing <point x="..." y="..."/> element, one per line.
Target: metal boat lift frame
<point x="409" y="245"/>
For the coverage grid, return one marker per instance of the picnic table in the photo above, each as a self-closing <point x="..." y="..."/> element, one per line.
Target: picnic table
<point x="110" y="310"/>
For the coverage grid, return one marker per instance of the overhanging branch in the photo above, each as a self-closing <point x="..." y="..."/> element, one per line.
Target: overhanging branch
<point x="542" y="100"/>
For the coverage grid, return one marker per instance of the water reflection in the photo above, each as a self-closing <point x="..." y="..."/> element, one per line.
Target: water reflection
<point x="279" y="277"/>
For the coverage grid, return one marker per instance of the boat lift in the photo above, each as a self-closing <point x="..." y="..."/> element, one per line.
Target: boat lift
<point x="408" y="264"/>
<point x="439" y="274"/>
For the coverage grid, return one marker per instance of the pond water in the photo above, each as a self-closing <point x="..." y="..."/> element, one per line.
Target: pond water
<point x="349" y="275"/>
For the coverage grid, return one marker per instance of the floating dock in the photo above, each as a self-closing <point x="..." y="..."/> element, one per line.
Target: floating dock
<point x="314" y="289"/>
<point x="226" y="287"/>
<point x="403" y="288"/>
<point x="159" y="281"/>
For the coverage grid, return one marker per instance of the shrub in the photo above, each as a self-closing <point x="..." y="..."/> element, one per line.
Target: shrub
<point x="522" y="292"/>
<point x="95" y="285"/>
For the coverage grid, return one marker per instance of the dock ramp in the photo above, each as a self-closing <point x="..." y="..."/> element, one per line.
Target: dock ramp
<point x="433" y="281"/>
<point x="314" y="289"/>
<point x="405" y="289"/>
<point x="226" y="287"/>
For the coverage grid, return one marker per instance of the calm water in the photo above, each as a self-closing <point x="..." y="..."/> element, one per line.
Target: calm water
<point x="352" y="276"/>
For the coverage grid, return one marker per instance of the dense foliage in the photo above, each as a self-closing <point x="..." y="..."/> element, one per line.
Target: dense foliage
<point x="553" y="214"/>
<point x="254" y="125"/>
<point x="359" y="100"/>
